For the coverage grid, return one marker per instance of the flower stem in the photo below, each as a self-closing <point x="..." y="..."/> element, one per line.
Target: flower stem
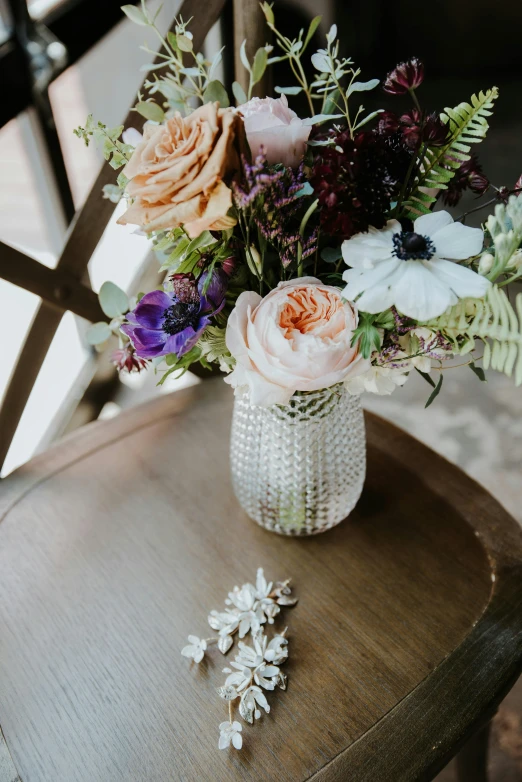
<point x="309" y="212"/>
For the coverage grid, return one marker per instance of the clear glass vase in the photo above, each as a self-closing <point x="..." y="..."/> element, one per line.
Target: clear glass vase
<point x="299" y="469"/>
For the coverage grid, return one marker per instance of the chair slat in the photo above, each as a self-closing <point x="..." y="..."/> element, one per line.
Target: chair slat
<point x="60" y="289"/>
<point x="84" y="235"/>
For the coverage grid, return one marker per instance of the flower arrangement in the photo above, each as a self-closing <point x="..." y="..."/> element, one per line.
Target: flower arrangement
<point x="257" y="668"/>
<point x="300" y="253"/>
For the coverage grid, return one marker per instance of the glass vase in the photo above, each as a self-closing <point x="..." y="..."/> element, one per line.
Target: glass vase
<point x="299" y="469"/>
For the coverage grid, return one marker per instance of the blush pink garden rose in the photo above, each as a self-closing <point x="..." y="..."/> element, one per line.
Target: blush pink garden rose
<point x="270" y="123"/>
<point x="297" y="338"/>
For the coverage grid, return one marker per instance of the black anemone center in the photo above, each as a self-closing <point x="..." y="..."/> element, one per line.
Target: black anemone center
<point x="409" y="246"/>
<point x="179" y="316"/>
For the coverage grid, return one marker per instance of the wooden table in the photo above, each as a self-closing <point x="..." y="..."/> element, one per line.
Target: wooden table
<point x="116" y="543"/>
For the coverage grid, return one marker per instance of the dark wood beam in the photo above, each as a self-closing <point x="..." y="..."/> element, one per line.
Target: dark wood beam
<point x="57" y="287"/>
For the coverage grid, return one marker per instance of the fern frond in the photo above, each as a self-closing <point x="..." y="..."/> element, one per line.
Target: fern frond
<point x="467" y="125"/>
<point x="495" y="322"/>
<point x="505" y="229"/>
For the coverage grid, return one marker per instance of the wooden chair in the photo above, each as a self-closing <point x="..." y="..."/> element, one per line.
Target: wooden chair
<point x="407" y="635"/>
<point x="116" y="543"/>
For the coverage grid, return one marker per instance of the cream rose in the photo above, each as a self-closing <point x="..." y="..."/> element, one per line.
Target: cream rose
<point x="176" y="172"/>
<point x="270" y="123"/>
<point x="298" y="338"/>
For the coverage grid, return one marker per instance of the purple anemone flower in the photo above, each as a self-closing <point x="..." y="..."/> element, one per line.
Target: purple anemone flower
<point x="162" y="323"/>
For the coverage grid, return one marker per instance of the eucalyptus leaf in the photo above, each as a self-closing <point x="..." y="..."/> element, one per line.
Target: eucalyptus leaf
<point x="243" y="56"/>
<point x="216" y="92"/>
<point x="150" y="111"/>
<point x="184" y="43"/>
<point x="331" y="254"/>
<point x="361" y="86"/>
<point x="98" y="333"/>
<point x="239" y="93"/>
<point x="269" y="14"/>
<point x="113" y="301"/>
<point x="259" y="65"/>
<point x="314" y="24"/>
<point x="173" y="40"/>
<point x="318" y="118"/>
<point x="331" y="102"/>
<point x="288" y="90"/>
<point x="370" y="116"/>
<point x="135" y="15"/>
<point x="112" y="193"/>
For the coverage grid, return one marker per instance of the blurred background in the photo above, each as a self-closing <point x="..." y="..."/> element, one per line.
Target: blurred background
<point x="63" y="59"/>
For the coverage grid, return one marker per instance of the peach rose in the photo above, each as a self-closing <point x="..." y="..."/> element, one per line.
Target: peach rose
<point x="176" y="172"/>
<point x="295" y="339"/>
<point x="270" y="123"/>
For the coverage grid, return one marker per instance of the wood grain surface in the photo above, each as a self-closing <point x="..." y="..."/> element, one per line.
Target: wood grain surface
<point x="116" y="543"/>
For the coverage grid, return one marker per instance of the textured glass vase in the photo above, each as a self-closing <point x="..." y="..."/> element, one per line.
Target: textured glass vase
<point x="299" y="469"/>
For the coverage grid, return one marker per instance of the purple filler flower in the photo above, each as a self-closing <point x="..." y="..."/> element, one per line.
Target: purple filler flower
<point x="162" y="324"/>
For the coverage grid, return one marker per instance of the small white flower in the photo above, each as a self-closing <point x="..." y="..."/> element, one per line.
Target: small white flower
<point x="424" y="342"/>
<point x="378" y="380"/>
<point x="230" y="732"/>
<point x="243" y="598"/>
<point x="250" y="700"/>
<point x="276" y="651"/>
<point x="413" y="271"/>
<point x="225" y="622"/>
<point x="195" y="649"/>
<point x="266" y="676"/>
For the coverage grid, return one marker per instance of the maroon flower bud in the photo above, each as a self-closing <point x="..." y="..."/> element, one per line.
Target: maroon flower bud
<point x="405" y="77"/>
<point x="410" y="126"/>
<point x="434" y="132"/>
<point x="185" y="288"/>
<point x="518" y="184"/>
<point x="126" y="360"/>
<point x="230" y="265"/>
<point x="478" y="182"/>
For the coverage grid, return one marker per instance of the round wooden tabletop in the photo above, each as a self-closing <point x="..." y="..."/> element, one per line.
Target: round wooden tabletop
<point x="115" y="544"/>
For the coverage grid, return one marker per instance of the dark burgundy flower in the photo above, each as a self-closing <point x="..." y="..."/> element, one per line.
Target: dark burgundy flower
<point x="405" y="77"/>
<point x="469" y="176"/>
<point x="414" y="128"/>
<point x="229" y="265"/>
<point x="434" y="132"/>
<point x="125" y="359"/>
<point x="356" y="180"/>
<point x="518" y="184"/>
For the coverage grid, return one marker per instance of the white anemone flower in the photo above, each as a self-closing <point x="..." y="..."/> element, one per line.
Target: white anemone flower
<point x="413" y="270"/>
<point x="230" y="733"/>
<point x="196" y="648"/>
<point x="378" y="380"/>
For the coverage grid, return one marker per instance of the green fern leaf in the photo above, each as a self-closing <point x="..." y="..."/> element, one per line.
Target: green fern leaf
<point x="492" y="320"/>
<point x="468" y="125"/>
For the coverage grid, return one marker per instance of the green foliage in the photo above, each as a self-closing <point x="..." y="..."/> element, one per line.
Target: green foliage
<point x="114" y="150"/>
<point x="256" y="69"/>
<point x="505" y="230"/>
<point x="182" y="364"/>
<point x="214" y="348"/>
<point x="368" y="331"/>
<point x="467" y="125"/>
<point x="113" y="301"/>
<point x="216" y="92"/>
<point x="98" y="333"/>
<point x="150" y="110"/>
<point x="436" y="391"/>
<point x="495" y="322"/>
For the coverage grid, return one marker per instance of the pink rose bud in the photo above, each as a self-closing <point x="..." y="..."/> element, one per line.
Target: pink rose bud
<point x="270" y="123"/>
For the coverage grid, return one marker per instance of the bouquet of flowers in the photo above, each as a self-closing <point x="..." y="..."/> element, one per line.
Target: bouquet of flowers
<point x="299" y="253"/>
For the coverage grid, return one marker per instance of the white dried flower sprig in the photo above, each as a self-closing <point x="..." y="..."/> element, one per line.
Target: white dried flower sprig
<point x="255" y="667"/>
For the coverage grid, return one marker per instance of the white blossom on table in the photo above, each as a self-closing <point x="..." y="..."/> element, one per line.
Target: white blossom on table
<point x="256" y="666"/>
